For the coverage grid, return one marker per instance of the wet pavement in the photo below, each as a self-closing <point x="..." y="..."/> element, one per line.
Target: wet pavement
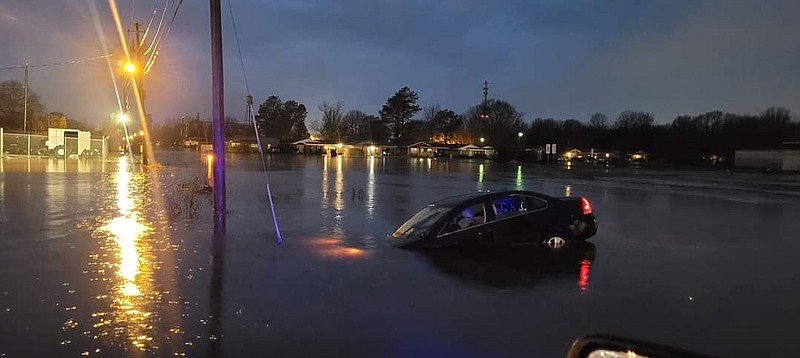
<point x="100" y="259"/>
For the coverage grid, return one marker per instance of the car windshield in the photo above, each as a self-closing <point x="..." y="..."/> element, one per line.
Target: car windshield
<point x="421" y="221"/>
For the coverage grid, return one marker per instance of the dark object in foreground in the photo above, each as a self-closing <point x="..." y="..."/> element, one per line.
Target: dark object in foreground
<point x="498" y="218"/>
<point x="601" y="346"/>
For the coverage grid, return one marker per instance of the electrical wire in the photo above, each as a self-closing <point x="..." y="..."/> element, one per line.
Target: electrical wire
<point x="155" y="44"/>
<point x="279" y="239"/>
<point x="71" y="62"/>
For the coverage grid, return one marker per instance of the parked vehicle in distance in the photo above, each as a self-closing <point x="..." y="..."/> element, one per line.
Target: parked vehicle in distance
<point x="498" y="218"/>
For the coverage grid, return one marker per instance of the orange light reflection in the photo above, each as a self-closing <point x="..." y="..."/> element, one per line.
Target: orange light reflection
<point x="330" y="247"/>
<point x="132" y="293"/>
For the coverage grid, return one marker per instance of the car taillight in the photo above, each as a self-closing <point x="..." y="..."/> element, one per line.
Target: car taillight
<point x="586" y="206"/>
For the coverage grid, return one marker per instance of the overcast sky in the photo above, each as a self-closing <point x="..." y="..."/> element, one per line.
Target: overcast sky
<point x="548" y="58"/>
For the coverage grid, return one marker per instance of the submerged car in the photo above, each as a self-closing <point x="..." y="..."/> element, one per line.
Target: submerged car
<point x="498" y="218"/>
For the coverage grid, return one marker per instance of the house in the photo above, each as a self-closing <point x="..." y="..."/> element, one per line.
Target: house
<point x="637" y="157"/>
<point x="572" y="154"/>
<point x="476" y="151"/>
<point x="421" y="149"/>
<point x="372" y="149"/>
<point x="315" y="146"/>
<point x="242" y="144"/>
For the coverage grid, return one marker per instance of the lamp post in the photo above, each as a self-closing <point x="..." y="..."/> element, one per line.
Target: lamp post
<point x="482" y="140"/>
<point x="519" y="139"/>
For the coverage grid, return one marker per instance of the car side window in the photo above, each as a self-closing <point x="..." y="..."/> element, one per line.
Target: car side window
<point x="507" y="206"/>
<point x="515" y="204"/>
<point x="469" y="216"/>
<point x="533" y="203"/>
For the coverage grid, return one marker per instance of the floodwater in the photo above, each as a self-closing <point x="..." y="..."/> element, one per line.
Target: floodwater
<point x="101" y="259"/>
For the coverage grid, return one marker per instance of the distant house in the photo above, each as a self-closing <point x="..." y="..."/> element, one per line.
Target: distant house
<point x="573" y="154"/>
<point x="242" y="144"/>
<point x="638" y="157"/>
<point x="372" y="149"/>
<point x="315" y="146"/>
<point x="476" y="151"/>
<point x="421" y="149"/>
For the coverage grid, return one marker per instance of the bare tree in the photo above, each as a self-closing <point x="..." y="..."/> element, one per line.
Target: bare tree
<point x="332" y="115"/>
<point x="634" y="119"/>
<point x="598" y="121"/>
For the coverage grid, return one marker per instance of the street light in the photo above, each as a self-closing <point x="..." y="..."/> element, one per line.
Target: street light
<point x="482" y="140"/>
<point x="123" y="118"/>
<point x="129" y="67"/>
<point x="519" y="139"/>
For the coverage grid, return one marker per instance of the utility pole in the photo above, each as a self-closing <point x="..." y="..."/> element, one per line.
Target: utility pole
<point x="138" y="76"/>
<point x="218" y="112"/>
<point x="249" y="110"/>
<point x="25" y="111"/>
<point x="485" y="92"/>
<point x="485" y="110"/>
<point x="140" y="71"/>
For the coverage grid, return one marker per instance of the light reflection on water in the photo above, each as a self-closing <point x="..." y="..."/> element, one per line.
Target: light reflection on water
<point x="26" y="164"/>
<point x="132" y="290"/>
<point x="3" y="216"/>
<point x="371" y="188"/>
<point x="334" y="243"/>
<point x="130" y="313"/>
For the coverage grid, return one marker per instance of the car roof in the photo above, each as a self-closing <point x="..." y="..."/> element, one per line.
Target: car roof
<point x="460" y="199"/>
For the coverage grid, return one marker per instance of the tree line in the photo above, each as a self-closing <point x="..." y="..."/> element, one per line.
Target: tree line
<point x="691" y="140"/>
<point x="688" y="139"/>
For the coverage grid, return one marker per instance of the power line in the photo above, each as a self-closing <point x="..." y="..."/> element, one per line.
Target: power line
<point x="72" y="62"/>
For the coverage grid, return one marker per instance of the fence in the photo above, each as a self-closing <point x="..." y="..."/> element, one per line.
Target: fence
<point x="37" y="145"/>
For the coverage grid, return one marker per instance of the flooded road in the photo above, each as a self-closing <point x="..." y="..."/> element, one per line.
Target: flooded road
<point x="112" y="260"/>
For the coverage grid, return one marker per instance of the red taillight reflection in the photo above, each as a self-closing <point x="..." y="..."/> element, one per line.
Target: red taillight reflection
<point x="583" y="275"/>
<point x="587" y="207"/>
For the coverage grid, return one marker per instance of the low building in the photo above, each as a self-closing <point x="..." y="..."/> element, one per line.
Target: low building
<point x="778" y="159"/>
<point x="476" y="151"/>
<point x="242" y="144"/>
<point x="422" y="150"/>
<point x="637" y="157"/>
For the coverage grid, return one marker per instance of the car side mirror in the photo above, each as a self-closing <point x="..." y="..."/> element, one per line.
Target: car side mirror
<point x="603" y="346"/>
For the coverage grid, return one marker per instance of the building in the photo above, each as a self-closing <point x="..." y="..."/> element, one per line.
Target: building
<point x="787" y="160"/>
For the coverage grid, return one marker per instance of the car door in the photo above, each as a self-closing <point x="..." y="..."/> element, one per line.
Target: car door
<point x="518" y="218"/>
<point x="466" y="225"/>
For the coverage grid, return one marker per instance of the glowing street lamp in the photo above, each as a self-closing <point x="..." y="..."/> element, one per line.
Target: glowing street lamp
<point x="129" y="67"/>
<point x="482" y="140"/>
<point x="519" y="139"/>
<point x="123" y="119"/>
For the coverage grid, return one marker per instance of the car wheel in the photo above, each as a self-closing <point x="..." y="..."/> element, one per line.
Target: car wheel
<point x="60" y="151"/>
<point x="555" y="241"/>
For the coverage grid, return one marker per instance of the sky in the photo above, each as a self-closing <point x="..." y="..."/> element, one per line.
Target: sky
<point x="560" y="59"/>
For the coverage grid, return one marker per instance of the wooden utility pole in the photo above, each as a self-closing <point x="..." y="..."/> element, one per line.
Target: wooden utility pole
<point x="138" y="79"/>
<point x="25" y="115"/>
<point x="218" y="114"/>
<point x="485" y="106"/>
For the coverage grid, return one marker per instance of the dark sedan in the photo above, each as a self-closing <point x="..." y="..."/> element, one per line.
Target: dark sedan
<point x="498" y="218"/>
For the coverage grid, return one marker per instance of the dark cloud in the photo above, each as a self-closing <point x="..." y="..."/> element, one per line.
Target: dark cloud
<point x="548" y="58"/>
